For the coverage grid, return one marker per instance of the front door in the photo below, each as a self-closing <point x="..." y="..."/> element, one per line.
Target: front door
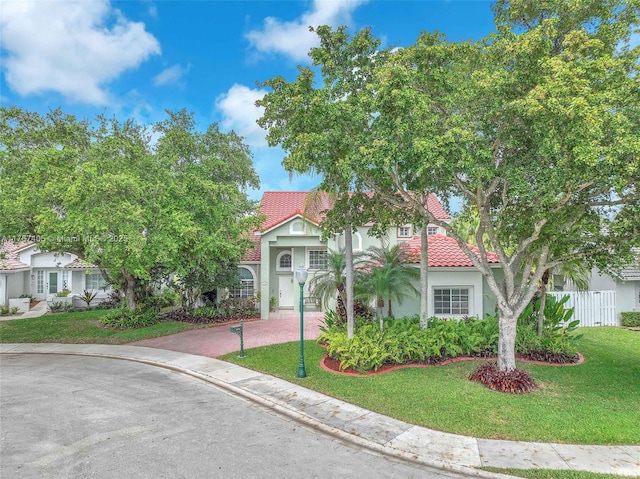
<point x="53" y="282"/>
<point x="285" y="299"/>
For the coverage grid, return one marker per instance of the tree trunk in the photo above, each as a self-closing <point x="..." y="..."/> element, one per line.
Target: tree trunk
<point x="380" y="308"/>
<point x="389" y="312"/>
<point x="507" y="340"/>
<point x="348" y="246"/>
<point x="424" y="278"/>
<point x="129" y="284"/>
<point x="543" y="301"/>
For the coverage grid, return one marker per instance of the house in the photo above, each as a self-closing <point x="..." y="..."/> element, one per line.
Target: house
<point x="25" y="270"/>
<point x="606" y="296"/>
<point x="291" y="236"/>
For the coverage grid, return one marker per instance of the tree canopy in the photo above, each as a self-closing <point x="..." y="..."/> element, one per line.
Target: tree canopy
<point x="536" y="127"/>
<point x="134" y="207"/>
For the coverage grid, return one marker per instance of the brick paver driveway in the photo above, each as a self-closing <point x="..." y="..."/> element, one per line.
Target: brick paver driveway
<point x="281" y="327"/>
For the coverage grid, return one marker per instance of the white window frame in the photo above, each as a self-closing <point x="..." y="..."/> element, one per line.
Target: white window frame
<point x="314" y="267"/>
<point x="101" y="280"/>
<point x="453" y="311"/>
<point x="405" y="231"/>
<point x="356" y="239"/>
<point x="432" y="230"/>
<point x="279" y="257"/>
<point x="245" y="291"/>
<point x="40" y="281"/>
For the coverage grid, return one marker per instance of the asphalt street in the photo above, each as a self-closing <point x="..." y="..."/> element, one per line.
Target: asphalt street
<point x="80" y="417"/>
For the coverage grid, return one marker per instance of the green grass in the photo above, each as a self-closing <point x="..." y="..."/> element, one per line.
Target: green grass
<point x="553" y="474"/>
<point x="79" y="328"/>
<point x="596" y="402"/>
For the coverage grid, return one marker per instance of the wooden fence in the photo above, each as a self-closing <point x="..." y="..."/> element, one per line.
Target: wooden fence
<point x="592" y="308"/>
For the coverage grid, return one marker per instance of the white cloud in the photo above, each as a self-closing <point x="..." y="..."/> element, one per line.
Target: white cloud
<point x="171" y="75"/>
<point x="293" y="38"/>
<point x="240" y="113"/>
<point x="71" y="47"/>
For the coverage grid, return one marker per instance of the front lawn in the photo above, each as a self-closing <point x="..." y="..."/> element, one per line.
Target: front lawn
<point x="596" y="402"/>
<point x="79" y="328"/>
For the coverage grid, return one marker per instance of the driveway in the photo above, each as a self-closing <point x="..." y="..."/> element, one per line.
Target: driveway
<point x="281" y="327"/>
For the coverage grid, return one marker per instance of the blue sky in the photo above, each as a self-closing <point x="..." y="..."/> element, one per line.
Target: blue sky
<point x="136" y="58"/>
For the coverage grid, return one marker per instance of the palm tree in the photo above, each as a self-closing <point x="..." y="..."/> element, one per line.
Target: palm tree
<point x="327" y="282"/>
<point x="385" y="281"/>
<point x="389" y="276"/>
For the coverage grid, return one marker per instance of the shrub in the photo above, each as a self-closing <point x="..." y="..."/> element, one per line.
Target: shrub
<point x="516" y="381"/>
<point x="113" y="301"/>
<point x="122" y="318"/>
<point x="402" y="341"/>
<point x="631" y="319"/>
<point x="56" y="307"/>
<point x="4" y="309"/>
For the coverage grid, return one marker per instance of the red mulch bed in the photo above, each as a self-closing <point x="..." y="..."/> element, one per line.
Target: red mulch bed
<point x="333" y="365"/>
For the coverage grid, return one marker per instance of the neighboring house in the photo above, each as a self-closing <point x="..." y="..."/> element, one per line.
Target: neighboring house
<point x="606" y="296"/>
<point x="626" y="286"/>
<point x="290" y="237"/>
<point x="25" y="270"/>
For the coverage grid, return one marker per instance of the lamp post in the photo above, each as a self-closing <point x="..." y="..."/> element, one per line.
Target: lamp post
<point x="301" y="277"/>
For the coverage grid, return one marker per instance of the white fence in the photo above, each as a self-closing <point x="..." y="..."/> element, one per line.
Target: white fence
<point x="592" y="308"/>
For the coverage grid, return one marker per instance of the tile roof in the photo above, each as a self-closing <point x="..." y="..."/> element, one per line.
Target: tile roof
<point x="281" y="206"/>
<point x="80" y="264"/>
<point x="9" y="257"/>
<point x="444" y="251"/>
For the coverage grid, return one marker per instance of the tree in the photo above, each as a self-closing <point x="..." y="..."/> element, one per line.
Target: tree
<point x="393" y="266"/>
<point x="537" y="127"/>
<point x="105" y="193"/>
<point x="318" y="127"/>
<point x="331" y="282"/>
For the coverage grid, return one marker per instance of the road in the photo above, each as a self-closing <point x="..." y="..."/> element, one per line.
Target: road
<point x="81" y="417"/>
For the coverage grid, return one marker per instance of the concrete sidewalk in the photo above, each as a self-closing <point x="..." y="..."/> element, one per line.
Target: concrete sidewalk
<point x="362" y="427"/>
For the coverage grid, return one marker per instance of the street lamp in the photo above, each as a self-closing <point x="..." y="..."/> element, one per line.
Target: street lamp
<point x="301" y="277"/>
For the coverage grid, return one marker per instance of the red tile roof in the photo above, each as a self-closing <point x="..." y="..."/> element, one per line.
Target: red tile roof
<point x="80" y="264"/>
<point x="444" y="251"/>
<point x="9" y="257"/>
<point x="281" y="206"/>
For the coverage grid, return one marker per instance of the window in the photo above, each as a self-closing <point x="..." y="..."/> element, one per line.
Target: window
<point x="356" y="240"/>
<point x="432" y="230"/>
<point x="284" y="261"/>
<point x="39" y="282"/>
<point x="246" y="288"/>
<point x="94" y="281"/>
<point x="317" y="259"/>
<point x="451" y="301"/>
<point x="404" y="232"/>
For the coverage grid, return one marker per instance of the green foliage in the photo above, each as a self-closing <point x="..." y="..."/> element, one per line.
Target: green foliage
<point x="273" y="302"/>
<point x="63" y="293"/>
<point x="631" y="319"/>
<point x="112" y="194"/>
<point x="123" y="318"/>
<point x="402" y="341"/>
<point x="30" y="296"/>
<point x="4" y="309"/>
<point x="57" y="306"/>
<point x="87" y="296"/>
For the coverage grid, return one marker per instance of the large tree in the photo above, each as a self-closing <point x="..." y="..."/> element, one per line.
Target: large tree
<point x="319" y="125"/>
<point x="537" y="127"/>
<point x="105" y="192"/>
